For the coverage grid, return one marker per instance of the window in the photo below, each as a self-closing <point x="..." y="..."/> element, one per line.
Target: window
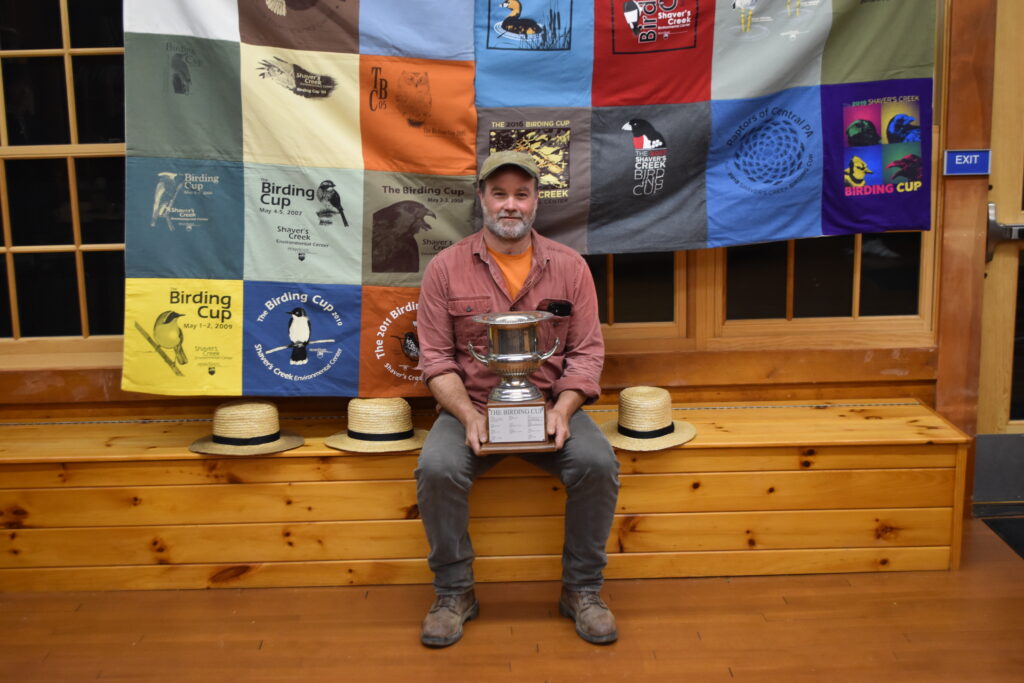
<point x="62" y="173"/>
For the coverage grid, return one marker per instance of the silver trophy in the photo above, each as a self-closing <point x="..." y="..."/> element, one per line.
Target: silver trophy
<point x="515" y="407"/>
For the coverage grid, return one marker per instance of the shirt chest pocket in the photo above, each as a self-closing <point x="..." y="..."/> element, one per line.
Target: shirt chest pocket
<point x="462" y="312"/>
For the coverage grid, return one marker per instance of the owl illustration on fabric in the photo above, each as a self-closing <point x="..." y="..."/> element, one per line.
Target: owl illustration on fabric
<point x="412" y="95"/>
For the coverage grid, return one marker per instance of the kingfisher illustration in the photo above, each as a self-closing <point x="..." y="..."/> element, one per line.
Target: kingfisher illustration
<point x="909" y="167"/>
<point x="168" y="335"/>
<point x="515" y="23"/>
<point x="902" y="128"/>
<point x="855" y="174"/>
<point x="331" y="200"/>
<point x="298" y="333"/>
<point x="644" y="135"/>
<point x="167" y="187"/>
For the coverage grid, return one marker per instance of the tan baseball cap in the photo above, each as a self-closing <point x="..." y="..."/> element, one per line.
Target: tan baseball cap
<point x="521" y="160"/>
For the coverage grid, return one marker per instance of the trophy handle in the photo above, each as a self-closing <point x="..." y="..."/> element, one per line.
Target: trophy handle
<point x="472" y="352"/>
<point x="545" y="356"/>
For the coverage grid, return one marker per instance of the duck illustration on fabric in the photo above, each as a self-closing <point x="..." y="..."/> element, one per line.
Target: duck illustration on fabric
<point x="644" y="135"/>
<point x="856" y="173"/>
<point x="168" y="335"/>
<point x="909" y="168"/>
<point x="298" y="334"/>
<point x="330" y="202"/>
<point x="862" y="133"/>
<point x="746" y="8"/>
<point x="902" y="128"/>
<point x="412" y="96"/>
<point x="518" y="24"/>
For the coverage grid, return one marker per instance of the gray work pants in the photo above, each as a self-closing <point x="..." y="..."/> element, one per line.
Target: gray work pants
<point x="586" y="466"/>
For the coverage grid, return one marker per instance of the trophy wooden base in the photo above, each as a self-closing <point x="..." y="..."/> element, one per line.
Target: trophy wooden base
<point x="517" y="427"/>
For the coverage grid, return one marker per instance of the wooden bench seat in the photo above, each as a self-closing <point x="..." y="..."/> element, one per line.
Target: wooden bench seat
<point x="770" y="488"/>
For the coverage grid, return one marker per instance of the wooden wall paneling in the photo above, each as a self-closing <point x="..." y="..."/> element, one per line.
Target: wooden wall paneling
<point x="486" y="569"/>
<point x="492" y="536"/>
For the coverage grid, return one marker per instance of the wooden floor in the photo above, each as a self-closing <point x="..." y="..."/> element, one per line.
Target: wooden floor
<point x="965" y="625"/>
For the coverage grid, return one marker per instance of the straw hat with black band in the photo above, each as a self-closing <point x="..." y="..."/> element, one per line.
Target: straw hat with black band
<point x="246" y="428"/>
<point x="645" y="421"/>
<point x="378" y="425"/>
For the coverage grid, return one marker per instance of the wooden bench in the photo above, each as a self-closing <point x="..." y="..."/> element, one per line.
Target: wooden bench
<point x="770" y="488"/>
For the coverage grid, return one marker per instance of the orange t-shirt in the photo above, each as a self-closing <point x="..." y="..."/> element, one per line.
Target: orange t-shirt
<point x="515" y="268"/>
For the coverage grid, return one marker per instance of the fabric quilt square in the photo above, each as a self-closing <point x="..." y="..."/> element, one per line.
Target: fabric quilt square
<point x="312" y="25"/>
<point x="301" y="339"/>
<point x="408" y="219"/>
<point x="198" y="18"/>
<point x="534" y="53"/>
<point x="559" y="141"/>
<point x="764" y="169"/>
<point x="183" y="336"/>
<point x="770" y="46"/>
<point x="390" y="346"/>
<point x="874" y="41"/>
<point x="877" y="142"/>
<point x="183" y="97"/>
<point x="417" y="115"/>
<point x="647" y="178"/>
<point x="300" y="108"/>
<point x="302" y="224"/>
<point x="183" y="218"/>
<point x="413" y="28"/>
<point x="652" y="51"/>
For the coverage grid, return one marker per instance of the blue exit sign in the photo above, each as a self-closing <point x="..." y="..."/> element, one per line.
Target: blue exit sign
<point x="968" y="162"/>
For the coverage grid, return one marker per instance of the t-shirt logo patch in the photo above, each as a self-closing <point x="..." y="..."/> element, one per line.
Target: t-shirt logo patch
<point x="654" y="25"/>
<point x="651" y="157"/>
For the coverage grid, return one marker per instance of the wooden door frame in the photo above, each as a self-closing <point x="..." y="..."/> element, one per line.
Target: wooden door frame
<point x="965" y="92"/>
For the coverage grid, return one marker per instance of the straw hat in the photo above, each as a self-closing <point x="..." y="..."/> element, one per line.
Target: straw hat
<point x="378" y="425"/>
<point x="246" y="428"/>
<point x="645" y="421"/>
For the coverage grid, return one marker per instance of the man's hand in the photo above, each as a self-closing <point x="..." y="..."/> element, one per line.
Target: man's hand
<point x="476" y="431"/>
<point x="569" y="401"/>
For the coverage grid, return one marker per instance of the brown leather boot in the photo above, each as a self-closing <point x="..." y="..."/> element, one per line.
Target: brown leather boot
<point x="443" y="623"/>
<point x="595" y="623"/>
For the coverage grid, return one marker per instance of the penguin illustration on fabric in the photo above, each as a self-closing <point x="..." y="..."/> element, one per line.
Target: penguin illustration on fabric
<point x="168" y="335"/>
<point x="298" y="334"/>
<point x="644" y="135"/>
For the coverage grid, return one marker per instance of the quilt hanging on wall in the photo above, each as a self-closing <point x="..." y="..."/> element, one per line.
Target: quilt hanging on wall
<point x="293" y="165"/>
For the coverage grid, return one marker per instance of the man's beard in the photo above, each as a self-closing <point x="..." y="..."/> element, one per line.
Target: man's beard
<point x="505" y="230"/>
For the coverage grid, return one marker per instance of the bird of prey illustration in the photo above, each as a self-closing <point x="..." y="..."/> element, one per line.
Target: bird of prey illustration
<point x="516" y="23"/>
<point x="856" y="173"/>
<point x="279" y="71"/>
<point x="394" y="247"/>
<point x="909" y="167"/>
<point x="412" y="95"/>
<point x="902" y="128"/>
<point x="298" y="335"/>
<point x="862" y="133"/>
<point x="168" y="335"/>
<point x="631" y="13"/>
<point x="746" y="8"/>
<point x="181" y="74"/>
<point x="167" y="187"/>
<point x="644" y="135"/>
<point x="330" y="201"/>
